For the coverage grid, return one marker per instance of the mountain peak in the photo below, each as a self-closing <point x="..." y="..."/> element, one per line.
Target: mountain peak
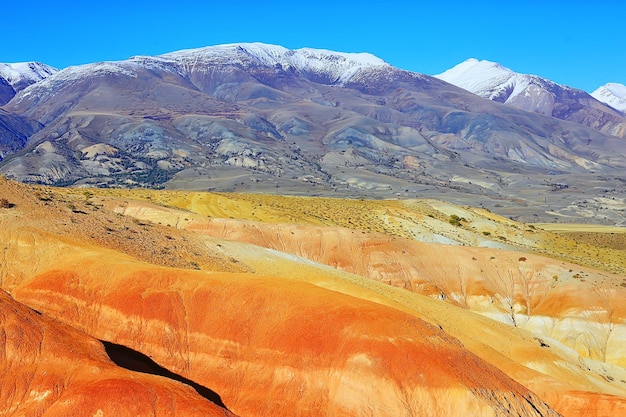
<point x="485" y="78"/>
<point x="473" y="65"/>
<point x="22" y="74"/>
<point x="336" y="66"/>
<point x="15" y="77"/>
<point x="613" y="94"/>
<point x="495" y="82"/>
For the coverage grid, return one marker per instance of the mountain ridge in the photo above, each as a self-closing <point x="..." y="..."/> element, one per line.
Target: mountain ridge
<point x="15" y="77"/>
<point x="304" y="121"/>
<point x="533" y="93"/>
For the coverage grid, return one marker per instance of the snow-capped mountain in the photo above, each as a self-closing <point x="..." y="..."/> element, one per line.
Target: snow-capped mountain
<point x="613" y="94"/>
<point x="262" y="117"/>
<point x="495" y="82"/>
<point x="317" y="65"/>
<point x="335" y="67"/>
<point x="322" y="65"/>
<point x="17" y="76"/>
<point x="486" y="79"/>
<point x="22" y="74"/>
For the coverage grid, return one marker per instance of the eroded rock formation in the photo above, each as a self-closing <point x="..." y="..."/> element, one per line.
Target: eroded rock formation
<point x="51" y="369"/>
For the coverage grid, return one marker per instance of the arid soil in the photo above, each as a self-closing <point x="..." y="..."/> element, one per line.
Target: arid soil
<point x="324" y="307"/>
<point x="51" y="369"/>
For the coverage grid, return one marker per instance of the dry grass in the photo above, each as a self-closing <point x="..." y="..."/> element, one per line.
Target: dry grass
<point x="76" y="216"/>
<point x="406" y="219"/>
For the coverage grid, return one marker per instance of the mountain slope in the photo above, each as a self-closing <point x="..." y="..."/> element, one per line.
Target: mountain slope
<point x="14" y="133"/>
<point x="54" y="370"/>
<point x="261" y="117"/>
<point x="17" y="76"/>
<point x="532" y="93"/>
<point x="613" y="94"/>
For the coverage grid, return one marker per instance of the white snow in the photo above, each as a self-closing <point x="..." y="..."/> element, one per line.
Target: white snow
<point x="50" y="85"/>
<point x="493" y="81"/>
<point x="490" y="79"/>
<point x="337" y="66"/>
<point x="97" y="69"/>
<point x="475" y="75"/>
<point x="25" y="72"/>
<point x="613" y="94"/>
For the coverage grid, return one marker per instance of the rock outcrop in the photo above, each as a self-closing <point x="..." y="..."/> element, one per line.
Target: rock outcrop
<point x="53" y="370"/>
<point x="272" y="346"/>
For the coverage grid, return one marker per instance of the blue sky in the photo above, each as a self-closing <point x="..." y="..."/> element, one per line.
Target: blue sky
<point x="577" y="43"/>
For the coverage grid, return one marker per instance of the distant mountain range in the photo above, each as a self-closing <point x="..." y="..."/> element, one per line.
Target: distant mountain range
<point x="264" y="118"/>
<point x="532" y="93"/>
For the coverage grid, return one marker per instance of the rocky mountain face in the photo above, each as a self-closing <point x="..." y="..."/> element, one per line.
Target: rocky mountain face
<point x="532" y="93"/>
<point x="16" y="77"/>
<point x="260" y="117"/>
<point x="6" y="91"/>
<point x="14" y="131"/>
<point x="613" y="94"/>
<point x="55" y="370"/>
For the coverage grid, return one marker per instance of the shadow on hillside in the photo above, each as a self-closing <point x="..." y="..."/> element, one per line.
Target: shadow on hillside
<point x="130" y="359"/>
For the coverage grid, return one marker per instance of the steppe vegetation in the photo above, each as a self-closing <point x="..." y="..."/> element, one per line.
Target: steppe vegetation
<point x="4" y="203"/>
<point x="399" y="218"/>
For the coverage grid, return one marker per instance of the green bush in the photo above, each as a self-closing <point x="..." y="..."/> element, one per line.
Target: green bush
<point x="455" y="220"/>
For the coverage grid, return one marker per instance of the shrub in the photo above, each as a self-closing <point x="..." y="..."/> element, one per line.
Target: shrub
<point x="4" y="203"/>
<point x="455" y="220"/>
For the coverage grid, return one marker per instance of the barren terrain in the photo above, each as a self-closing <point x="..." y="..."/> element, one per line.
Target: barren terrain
<point x="318" y="306"/>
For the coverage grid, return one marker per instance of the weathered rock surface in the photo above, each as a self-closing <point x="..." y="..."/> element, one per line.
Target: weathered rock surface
<point x="512" y="287"/>
<point x="50" y="369"/>
<point x="577" y="306"/>
<point x="267" y="344"/>
<point x="276" y="334"/>
<point x="272" y="346"/>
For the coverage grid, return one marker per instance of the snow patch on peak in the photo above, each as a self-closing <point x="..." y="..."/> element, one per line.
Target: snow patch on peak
<point x="617" y="89"/>
<point x="485" y="78"/>
<point x="495" y="82"/>
<point x="336" y="66"/>
<point x="70" y="75"/>
<point x="21" y="74"/>
<point x="613" y="94"/>
<point x="473" y="66"/>
<point x="89" y="70"/>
